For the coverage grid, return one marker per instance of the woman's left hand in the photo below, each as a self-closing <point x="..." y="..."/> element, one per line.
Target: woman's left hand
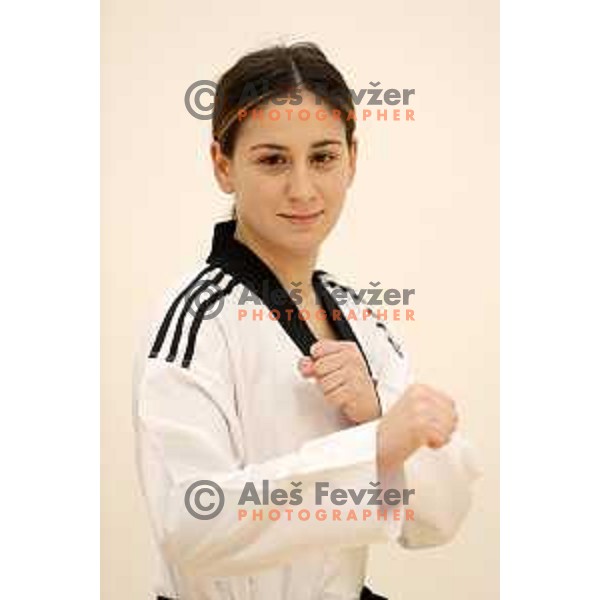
<point x="340" y="370"/>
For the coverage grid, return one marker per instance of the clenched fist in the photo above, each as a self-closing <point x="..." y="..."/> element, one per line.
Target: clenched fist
<point x="422" y="416"/>
<point x="340" y="370"/>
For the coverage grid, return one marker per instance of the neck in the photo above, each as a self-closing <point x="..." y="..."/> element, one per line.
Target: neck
<point x="288" y="267"/>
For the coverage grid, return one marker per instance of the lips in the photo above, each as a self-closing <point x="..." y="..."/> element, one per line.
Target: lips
<point x="299" y="218"/>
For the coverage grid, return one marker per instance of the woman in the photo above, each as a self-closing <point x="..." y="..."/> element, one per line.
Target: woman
<point x="254" y="372"/>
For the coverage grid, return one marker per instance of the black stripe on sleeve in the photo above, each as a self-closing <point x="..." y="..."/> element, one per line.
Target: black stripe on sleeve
<point x="193" y="295"/>
<point x="390" y="338"/>
<point x="164" y="327"/>
<point x="195" y="326"/>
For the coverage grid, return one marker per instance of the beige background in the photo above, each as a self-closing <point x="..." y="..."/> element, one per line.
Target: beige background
<point x="423" y="214"/>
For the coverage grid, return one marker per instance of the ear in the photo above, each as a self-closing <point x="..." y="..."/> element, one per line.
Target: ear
<point x="221" y="168"/>
<point x="353" y="159"/>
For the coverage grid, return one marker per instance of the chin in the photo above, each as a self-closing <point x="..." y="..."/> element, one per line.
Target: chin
<point x="302" y="242"/>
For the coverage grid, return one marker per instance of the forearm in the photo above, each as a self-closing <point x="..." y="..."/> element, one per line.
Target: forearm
<point x="237" y="543"/>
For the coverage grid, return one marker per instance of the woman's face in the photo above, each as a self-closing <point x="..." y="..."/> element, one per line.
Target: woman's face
<point x="289" y="175"/>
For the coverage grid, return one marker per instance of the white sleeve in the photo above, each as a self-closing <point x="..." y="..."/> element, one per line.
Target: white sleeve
<point x="442" y="478"/>
<point x="187" y="430"/>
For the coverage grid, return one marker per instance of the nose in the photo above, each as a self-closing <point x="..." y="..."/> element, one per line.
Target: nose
<point x="300" y="185"/>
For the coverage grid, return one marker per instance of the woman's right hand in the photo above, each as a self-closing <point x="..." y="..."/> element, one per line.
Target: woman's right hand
<point x="421" y="417"/>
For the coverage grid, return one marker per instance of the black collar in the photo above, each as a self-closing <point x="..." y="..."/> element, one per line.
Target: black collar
<point x="239" y="261"/>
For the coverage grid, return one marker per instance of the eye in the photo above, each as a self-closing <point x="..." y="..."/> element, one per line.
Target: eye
<point x="272" y="160"/>
<point x="322" y="159"/>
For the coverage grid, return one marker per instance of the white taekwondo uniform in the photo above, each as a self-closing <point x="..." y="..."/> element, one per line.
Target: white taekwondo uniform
<point x="219" y="397"/>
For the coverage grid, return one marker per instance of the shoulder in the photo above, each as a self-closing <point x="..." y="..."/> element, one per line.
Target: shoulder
<point x="365" y="308"/>
<point x="187" y="318"/>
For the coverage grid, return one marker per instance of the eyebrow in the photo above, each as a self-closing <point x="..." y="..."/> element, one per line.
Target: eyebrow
<point x="280" y="147"/>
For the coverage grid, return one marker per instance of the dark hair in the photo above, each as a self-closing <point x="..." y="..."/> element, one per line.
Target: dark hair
<point x="275" y="72"/>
